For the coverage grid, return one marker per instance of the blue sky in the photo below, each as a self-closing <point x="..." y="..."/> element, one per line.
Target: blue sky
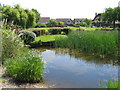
<point x="65" y="8"/>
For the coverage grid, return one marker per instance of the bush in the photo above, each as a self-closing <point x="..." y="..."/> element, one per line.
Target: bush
<point x="59" y="30"/>
<point x="28" y="68"/>
<point x="41" y="25"/>
<point x="27" y="36"/>
<point x="11" y="45"/>
<point x="37" y="32"/>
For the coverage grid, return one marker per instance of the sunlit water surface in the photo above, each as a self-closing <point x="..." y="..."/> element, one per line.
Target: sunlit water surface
<point x="71" y="69"/>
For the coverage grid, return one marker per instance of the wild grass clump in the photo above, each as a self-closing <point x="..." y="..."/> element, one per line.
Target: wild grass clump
<point x="21" y="63"/>
<point x="11" y="45"/>
<point x="28" y="68"/>
<point x="96" y="42"/>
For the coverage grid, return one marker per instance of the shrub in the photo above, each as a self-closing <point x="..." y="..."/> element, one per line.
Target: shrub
<point x="37" y="32"/>
<point x="11" y="45"/>
<point x="28" y="68"/>
<point x="59" y="30"/>
<point x="40" y="25"/>
<point x="27" y="36"/>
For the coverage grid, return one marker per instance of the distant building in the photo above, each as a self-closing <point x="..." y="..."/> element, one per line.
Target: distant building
<point x="78" y="20"/>
<point x="44" y="19"/>
<point x="65" y="20"/>
<point x="97" y="20"/>
<point x="97" y="17"/>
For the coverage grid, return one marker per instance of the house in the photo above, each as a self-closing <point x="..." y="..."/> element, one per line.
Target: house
<point x="97" y="17"/>
<point x="78" y="20"/>
<point x="44" y="19"/>
<point x="97" y="20"/>
<point x="65" y="20"/>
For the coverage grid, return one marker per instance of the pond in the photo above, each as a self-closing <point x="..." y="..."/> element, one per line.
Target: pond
<point x="72" y="69"/>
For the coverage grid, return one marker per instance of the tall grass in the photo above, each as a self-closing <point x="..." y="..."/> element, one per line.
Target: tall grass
<point x="96" y="42"/>
<point x="21" y="63"/>
<point x="28" y="68"/>
<point x="11" y="45"/>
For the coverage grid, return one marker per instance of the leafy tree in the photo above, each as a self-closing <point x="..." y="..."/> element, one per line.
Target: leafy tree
<point x="111" y="15"/>
<point x="31" y="22"/>
<point x="23" y="18"/>
<point x="52" y="23"/>
<point x="18" y="16"/>
<point x="37" y="15"/>
<point x="7" y="13"/>
<point x="88" y="22"/>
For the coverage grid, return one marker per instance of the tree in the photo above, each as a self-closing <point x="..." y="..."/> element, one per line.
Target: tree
<point x="111" y="15"/>
<point x="18" y="16"/>
<point x="88" y="22"/>
<point x="37" y="15"/>
<point x="31" y="22"/>
<point x="52" y="23"/>
<point x="23" y="18"/>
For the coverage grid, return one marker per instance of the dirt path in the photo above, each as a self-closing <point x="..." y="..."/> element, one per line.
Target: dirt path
<point x="7" y="82"/>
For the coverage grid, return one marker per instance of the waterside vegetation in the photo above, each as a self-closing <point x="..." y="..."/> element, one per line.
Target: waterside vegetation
<point x="21" y="64"/>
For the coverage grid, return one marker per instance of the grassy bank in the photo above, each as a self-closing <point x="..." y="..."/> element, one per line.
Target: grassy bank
<point x="94" y="42"/>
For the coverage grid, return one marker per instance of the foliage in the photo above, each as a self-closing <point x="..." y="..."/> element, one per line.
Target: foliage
<point x="88" y="22"/>
<point x="97" y="42"/>
<point x="83" y="24"/>
<point x="28" y="68"/>
<point x="41" y="25"/>
<point x="21" y="64"/>
<point x="31" y="22"/>
<point x="18" y="16"/>
<point x="113" y="84"/>
<point x="37" y="15"/>
<point x="27" y="36"/>
<point x="52" y="23"/>
<point x="61" y="24"/>
<point x="11" y="44"/>
<point x="23" y="18"/>
<point x="111" y="15"/>
<point x="59" y="30"/>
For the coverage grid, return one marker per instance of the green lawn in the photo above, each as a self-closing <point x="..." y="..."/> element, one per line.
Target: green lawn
<point x="47" y="38"/>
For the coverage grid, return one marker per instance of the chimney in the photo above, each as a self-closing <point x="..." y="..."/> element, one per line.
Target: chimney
<point x="119" y="4"/>
<point x="96" y="14"/>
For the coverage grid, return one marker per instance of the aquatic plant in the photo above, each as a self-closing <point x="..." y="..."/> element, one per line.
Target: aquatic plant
<point x="94" y="42"/>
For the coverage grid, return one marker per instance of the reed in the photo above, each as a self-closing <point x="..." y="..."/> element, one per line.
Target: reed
<point x="95" y="42"/>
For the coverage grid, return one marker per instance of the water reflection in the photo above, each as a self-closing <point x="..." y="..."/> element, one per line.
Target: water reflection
<point x="72" y="69"/>
<point x="80" y="55"/>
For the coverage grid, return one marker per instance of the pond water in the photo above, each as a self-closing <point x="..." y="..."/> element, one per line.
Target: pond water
<point x="71" y="69"/>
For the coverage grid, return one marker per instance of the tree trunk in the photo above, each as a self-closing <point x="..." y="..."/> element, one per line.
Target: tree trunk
<point x="114" y="24"/>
